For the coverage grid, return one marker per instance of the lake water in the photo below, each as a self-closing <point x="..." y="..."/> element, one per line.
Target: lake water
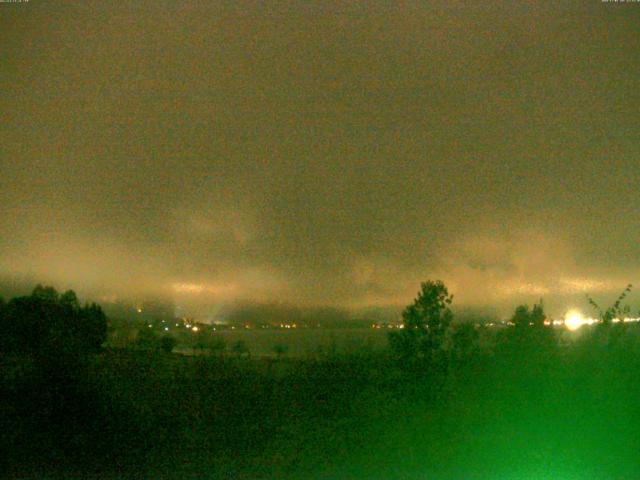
<point x="301" y="341"/>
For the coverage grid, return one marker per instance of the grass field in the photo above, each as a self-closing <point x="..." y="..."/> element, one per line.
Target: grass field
<point x="561" y="413"/>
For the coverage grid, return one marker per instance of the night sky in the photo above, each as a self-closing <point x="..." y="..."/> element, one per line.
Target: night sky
<point x="321" y="153"/>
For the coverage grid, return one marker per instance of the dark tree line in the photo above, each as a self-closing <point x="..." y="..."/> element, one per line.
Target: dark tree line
<point x="430" y="341"/>
<point x="48" y="322"/>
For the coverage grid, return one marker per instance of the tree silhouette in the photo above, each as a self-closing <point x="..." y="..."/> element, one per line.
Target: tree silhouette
<point x="69" y="300"/>
<point x="606" y="331"/>
<point x="425" y="324"/>
<point x="91" y="326"/>
<point x="528" y="329"/>
<point x="524" y="319"/>
<point x="46" y="294"/>
<point x="537" y="316"/>
<point x="521" y="317"/>
<point x="617" y="310"/>
<point x="46" y="322"/>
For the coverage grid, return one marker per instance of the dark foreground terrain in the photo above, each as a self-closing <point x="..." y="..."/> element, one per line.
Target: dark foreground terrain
<point x="514" y="411"/>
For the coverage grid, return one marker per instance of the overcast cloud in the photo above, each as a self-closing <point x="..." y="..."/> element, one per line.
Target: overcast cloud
<point x="332" y="155"/>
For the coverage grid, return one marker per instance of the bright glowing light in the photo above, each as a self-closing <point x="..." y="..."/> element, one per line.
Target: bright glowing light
<point x="195" y="329"/>
<point x="573" y="320"/>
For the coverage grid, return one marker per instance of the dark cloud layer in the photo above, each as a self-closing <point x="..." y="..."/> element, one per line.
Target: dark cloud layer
<point x="321" y="154"/>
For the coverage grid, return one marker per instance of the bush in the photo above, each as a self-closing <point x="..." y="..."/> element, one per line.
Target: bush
<point x="167" y="344"/>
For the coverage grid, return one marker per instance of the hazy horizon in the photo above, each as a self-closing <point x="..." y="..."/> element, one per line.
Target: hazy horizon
<point x="310" y="155"/>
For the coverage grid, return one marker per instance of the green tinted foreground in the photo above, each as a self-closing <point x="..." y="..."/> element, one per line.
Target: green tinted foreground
<point x="567" y="413"/>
